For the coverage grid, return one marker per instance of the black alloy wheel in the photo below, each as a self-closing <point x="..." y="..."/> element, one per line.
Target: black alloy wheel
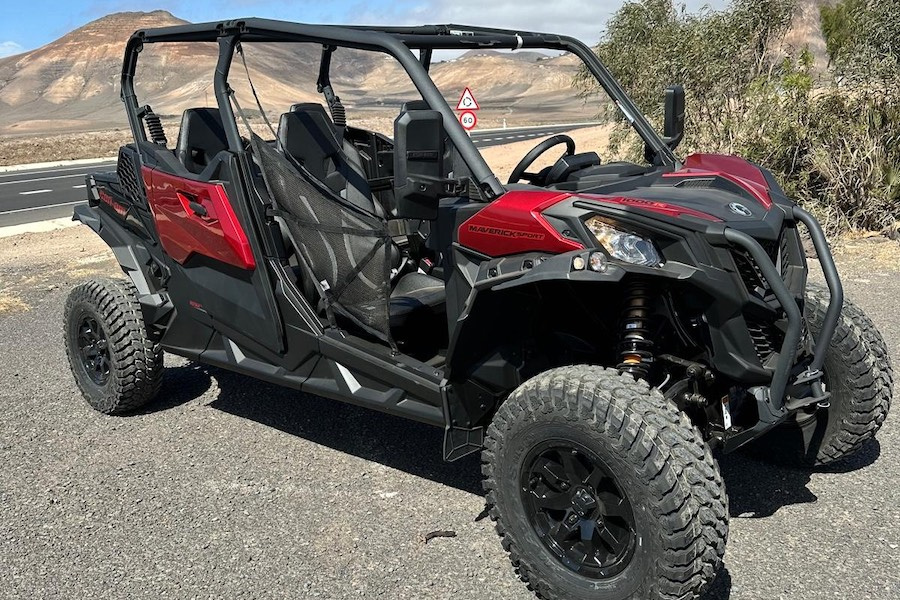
<point x="602" y="489"/>
<point x="578" y="509"/>
<point x="93" y="349"/>
<point x="117" y="365"/>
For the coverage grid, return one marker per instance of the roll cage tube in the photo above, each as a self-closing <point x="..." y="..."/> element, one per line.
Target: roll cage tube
<point x="228" y="34"/>
<point x="398" y="42"/>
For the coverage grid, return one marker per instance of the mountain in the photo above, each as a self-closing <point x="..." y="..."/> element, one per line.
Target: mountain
<point x="72" y="83"/>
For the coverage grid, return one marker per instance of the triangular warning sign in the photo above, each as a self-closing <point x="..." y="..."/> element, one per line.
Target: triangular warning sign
<point x="467" y="101"/>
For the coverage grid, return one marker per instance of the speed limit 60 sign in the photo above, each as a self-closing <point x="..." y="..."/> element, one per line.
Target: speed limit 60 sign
<point x="468" y="120"/>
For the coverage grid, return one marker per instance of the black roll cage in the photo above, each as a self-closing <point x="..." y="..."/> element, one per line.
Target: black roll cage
<point x="398" y="42"/>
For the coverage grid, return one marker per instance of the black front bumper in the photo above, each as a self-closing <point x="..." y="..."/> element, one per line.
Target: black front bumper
<point x="773" y="403"/>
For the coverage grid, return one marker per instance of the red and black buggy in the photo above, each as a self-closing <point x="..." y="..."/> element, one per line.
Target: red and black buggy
<point x="595" y="329"/>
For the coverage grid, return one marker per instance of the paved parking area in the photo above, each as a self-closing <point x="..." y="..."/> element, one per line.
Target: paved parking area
<point x="231" y="488"/>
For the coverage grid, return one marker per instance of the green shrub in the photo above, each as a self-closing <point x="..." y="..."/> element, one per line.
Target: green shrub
<point x="835" y="145"/>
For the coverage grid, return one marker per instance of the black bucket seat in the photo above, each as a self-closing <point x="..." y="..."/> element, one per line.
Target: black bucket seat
<point x="201" y="138"/>
<point x="308" y="135"/>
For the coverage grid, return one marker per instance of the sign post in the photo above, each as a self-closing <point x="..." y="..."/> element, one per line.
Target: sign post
<point x="468" y="105"/>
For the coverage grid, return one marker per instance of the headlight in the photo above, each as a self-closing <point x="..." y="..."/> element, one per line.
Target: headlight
<point x="623" y="245"/>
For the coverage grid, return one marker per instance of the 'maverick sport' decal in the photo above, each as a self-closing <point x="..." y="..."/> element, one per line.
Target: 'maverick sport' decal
<point x="507" y="233"/>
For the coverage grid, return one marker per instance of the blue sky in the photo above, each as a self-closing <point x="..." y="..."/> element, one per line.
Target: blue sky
<point x="30" y="24"/>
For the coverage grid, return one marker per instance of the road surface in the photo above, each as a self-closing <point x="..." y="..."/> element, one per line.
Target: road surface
<point x="50" y="193"/>
<point x="228" y="487"/>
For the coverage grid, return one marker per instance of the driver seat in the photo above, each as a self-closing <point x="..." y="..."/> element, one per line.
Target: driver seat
<point x="307" y="135"/>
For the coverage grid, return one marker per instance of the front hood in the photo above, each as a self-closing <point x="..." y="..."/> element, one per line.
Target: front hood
<point x="710" y="188"/>
<point x="715" y="187"/>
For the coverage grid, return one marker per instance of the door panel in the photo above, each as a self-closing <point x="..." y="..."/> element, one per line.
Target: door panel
<point x="195" y="217"/>
<point x="219" y="277"/>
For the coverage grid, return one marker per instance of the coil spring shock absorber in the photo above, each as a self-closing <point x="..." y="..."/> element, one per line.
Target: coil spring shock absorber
<point x="154" y="126"/>
<point x="635" y="346"/>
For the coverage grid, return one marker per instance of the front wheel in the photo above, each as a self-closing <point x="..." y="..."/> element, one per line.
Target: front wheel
<point x="857" y="373"/>
<point x="602" y="489"/>
<point x="117" y="366"/>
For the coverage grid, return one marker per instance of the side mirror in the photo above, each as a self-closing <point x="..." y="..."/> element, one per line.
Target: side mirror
<point x="418" y="163"/>
<point x="673" y="126"/>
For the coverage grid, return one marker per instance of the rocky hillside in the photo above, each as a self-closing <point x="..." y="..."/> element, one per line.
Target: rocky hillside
<point x="807" y="31"/>
<point x="72" y="84"/>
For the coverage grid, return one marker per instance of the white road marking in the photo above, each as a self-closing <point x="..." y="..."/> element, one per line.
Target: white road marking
<point x="18" y="210"/>
<point x="54" y="165"/>
<point x="42" y="179"/>
<point x="43" y="171"/>
<point x="78" y="187"/>
<point x="485" y="140"/>
<point x="28" y="193"/>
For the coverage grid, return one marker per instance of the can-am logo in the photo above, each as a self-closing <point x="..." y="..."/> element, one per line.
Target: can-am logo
<point x="506" y="233"/>
<point x="739" y="209"/>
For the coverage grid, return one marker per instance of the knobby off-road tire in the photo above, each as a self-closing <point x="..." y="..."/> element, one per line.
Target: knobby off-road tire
<point x="654" y="462"/>
<point x="859" y="376"/>
<point x="116" y="365"/>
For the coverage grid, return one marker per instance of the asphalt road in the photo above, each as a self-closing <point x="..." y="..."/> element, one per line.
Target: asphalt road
<point x="41" y="194"/>
<point x="231" y="488"/>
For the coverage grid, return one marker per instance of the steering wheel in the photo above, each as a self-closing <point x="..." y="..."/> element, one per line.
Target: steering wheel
<point x="520" y="173"/>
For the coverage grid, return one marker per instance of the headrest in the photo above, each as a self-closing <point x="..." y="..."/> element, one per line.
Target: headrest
<point x="310" y="107"/>
<point x="306" y="129"/>
<point x="202" y="136"/>
<point x="414" y="105"/>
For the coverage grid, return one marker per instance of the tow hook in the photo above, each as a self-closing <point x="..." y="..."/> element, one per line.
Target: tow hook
<point x="819" y="397"/>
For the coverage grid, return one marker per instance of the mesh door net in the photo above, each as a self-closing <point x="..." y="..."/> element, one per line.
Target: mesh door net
<point x="344" y="249"/>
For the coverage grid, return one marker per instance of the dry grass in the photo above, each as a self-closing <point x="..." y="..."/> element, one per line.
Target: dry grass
<point x="10" y="303"/>
<point x="67" y="146"/>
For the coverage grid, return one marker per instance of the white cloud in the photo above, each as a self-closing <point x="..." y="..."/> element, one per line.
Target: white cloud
<point x="10" y="48"/>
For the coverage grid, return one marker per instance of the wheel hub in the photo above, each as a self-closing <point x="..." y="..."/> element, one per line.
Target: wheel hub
<point x="584" y="503"/>
<point x="93" y="348"/>
<point x="577" y="509"/>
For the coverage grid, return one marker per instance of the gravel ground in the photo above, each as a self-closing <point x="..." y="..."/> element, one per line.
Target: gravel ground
<point x="227" y="487"/>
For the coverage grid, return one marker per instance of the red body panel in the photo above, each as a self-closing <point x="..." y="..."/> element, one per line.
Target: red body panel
<point x="182" y="232"/>
<point x="662" y="208"/>
<point x="733" y="168"/>
<point x="512" y="224"/>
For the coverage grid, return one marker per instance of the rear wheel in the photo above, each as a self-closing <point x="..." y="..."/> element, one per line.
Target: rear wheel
<point x="859" y="376"/>
<point x="116" y="365"/>
<point x="602" y="489"/>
